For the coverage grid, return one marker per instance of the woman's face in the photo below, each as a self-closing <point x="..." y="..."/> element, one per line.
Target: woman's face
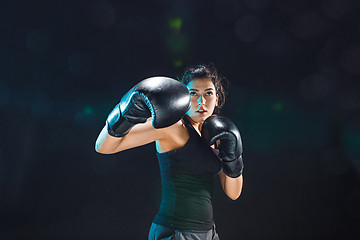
<point x="203" y="99"/>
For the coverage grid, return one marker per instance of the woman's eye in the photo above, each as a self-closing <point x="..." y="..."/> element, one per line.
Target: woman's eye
<point x="192" y="93"/>
<point x="209" y="93"/>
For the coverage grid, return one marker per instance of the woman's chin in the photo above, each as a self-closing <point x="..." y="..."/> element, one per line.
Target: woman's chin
<point x="199" y="118"/>
<point x="202" y="118"/>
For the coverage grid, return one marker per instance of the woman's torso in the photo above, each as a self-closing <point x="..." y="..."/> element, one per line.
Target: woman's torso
<point x="188" y="169"/>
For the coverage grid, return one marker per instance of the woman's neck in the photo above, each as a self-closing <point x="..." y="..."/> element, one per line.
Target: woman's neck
<point x="196" y="125"/>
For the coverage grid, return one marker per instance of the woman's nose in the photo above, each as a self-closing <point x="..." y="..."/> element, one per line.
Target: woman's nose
<point x="201" y="100"/>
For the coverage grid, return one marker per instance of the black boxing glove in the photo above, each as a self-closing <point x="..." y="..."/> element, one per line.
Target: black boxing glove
<point x="230" y="148"/>
<point x="164" y="99"/>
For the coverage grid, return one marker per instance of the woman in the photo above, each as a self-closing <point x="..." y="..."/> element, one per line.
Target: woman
<point x="185" y="145"/>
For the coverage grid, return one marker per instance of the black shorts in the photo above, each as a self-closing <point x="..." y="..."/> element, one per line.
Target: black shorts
<point x="159" y="232"/>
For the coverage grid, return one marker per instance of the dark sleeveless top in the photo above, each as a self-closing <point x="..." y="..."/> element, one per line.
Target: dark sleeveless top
<point x="187" y="181"/>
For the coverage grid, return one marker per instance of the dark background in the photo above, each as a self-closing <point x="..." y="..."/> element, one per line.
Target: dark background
<point x="294" y="67"/>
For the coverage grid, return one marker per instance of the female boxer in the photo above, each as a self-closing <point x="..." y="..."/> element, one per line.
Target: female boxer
<point x="185" y="131"/>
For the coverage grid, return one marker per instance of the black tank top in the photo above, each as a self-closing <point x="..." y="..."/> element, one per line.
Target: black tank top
<point x="187" y="181"/>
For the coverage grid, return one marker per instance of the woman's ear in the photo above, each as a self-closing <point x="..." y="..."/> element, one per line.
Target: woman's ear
<point x="217" y="99"/>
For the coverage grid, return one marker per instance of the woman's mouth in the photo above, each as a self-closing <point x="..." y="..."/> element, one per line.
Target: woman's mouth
<point x="201" y="111"/>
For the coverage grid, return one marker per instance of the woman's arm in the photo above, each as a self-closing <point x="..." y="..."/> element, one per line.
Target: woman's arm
<point x="143" y="114"/>
<point x="231" y="186"/>
<point x="220" y="129"/>
<point x="140" y="134"/>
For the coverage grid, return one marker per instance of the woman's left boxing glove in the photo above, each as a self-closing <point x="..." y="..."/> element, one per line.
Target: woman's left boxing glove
<point x="230" y="148"/>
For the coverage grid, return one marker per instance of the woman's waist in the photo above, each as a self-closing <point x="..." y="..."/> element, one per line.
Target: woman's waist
<point x="188" y="213"/>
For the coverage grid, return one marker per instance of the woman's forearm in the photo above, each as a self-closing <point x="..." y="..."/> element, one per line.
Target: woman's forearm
<point x="231" y="186"/>
<point x="105" y="143"/>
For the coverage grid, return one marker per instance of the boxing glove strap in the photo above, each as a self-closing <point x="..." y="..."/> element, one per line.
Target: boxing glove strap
<point x="117" y="125"/>
<point x="121" y="128"/>
<point x="233" y="168"/>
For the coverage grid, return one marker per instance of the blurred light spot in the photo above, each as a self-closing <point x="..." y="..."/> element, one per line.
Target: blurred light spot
<point x="290" y="6"/>
<point x="350" y="60"/>
<point x="83" y="118"/>
<point x="39" y="42"/>
<point x="88" y="110"/>
<point x="248" y="28"/>
<point x="81" y="63"/>
<point x="348" y="98"/>
<point x="314" y="87"/>
<point x="101" y="14"/>
<point x="334" y="8"/>
<point x="257" y="4"/>
<point x="4" y="94"/>
<point x="41" y="105"/>
<point x="177" y="44"/>
<point x="85" y="113"/>
<point x="278" y="106"/>
<point x="307" y="25"/>
<point x="178" y="63"/>
<point x="175" y="25"/>
<point x="333" y="162"/>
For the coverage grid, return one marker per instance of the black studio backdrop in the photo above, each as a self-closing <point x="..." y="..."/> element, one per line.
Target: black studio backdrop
<point x="294" y="68"/>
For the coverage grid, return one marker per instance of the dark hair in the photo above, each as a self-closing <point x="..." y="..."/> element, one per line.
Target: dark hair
<point x="207" y="71"/>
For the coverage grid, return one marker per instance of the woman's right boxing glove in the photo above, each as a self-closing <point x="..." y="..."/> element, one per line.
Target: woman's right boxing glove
<point x="163" y="99"/>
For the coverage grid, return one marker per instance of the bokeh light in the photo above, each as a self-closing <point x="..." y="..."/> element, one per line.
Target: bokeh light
<point x="40" y="42"/>
<point x="177" y="43"/>
<point x="278" y="106"/>
<point x="85" y="116"/>
<point x="178" y="63"/>
<point x="88" y="110"/>
<point x="175" y="24"/>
